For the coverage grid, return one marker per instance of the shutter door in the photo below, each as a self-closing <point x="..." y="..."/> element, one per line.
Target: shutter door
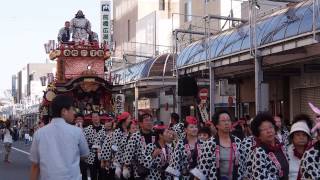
<point x="309" y="95"/>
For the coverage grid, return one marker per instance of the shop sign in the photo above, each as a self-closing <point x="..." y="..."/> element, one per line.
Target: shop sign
<point x="203" y="94"/>
<point x="144" y="104"/>
<point x="106" y="21"/>
<point x="119" y="103"/>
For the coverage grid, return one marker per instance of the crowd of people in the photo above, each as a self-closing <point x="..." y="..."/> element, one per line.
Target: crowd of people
<point x="9" y="134"/>
<point x="126" y="148"/>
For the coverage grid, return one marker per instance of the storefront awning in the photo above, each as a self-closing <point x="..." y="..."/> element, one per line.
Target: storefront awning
<point x="159" y="66"/>
<point x="281" y="25"/>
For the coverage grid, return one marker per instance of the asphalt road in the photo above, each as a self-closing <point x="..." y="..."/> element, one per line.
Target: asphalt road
<point x="19" y="167"/>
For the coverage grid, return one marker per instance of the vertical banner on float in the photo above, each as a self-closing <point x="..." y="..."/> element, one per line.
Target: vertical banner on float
<point x="119" y="103"/>
<point x="106" y="22"/>
<point x="50" y="77"/>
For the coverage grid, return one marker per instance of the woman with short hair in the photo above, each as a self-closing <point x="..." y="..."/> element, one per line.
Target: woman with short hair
<point x="268" y="159"/>
<point x="220" y="155"/>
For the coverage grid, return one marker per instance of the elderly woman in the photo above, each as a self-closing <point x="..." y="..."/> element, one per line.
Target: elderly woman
<point x="220" y="155"/>
<point x="186" y="151"/>
<point x="268" y="159"/>
<point x="300" y="137"/>
<point x="310" y="163"/>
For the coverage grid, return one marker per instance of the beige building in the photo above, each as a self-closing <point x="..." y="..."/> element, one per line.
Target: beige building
<point x="266" y="7"/>
<point x="192" y="14"/>
<point x="144" y="27"/>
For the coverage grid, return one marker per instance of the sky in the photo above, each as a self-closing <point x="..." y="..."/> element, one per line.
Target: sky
<point x="27" y="24"/>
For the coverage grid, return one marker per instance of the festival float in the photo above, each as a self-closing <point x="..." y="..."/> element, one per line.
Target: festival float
<point x="80" y="74"/>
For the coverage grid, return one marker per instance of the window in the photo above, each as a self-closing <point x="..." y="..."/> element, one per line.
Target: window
<point x="188" y="11"/>
<point x="162" y="5"/>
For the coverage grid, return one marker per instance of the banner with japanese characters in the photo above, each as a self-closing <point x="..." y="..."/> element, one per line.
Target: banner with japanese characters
<point x="119" y="103"/>
<point x="106" y="21"/>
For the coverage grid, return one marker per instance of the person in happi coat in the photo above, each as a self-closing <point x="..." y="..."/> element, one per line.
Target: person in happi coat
<point x="300" y="136"/>
<point x="281" y="131"/>
<point x="220" y="157"/>
<point x="268" y="159"/>
<point x="94" y="133"/>
<point x="134" y="156"/>
<point x="177" y="126"/>
<point x="158" y="154"/>
<point x="310" y="161"/>
<point x="106" y="154"/>
<point x="119" y="141"/>
<point x="186" y="152"/>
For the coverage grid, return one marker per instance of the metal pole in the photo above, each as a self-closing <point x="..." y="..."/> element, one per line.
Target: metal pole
<point x="227" y="18"/>
<point x="257" y="61"/>
<point x="212" y="76"/>
<point x="178" y="98"/>
<point x="136" y="98"/>
<point x="314" y="19"/>
<point x="250" y="26"/>
<point x="258" y="81"/>
<point x="211" y="71"/>
<point x="173" y="65"/>
<point x="155" y="34"/>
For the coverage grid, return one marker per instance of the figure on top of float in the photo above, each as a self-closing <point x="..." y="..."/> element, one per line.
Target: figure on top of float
<point x="93" y="37"/>
<point x="64" y="33"/>
<point x="80" y="26"/>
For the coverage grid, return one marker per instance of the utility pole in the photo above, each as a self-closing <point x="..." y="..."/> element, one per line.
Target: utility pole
<point x="261" y="100"/>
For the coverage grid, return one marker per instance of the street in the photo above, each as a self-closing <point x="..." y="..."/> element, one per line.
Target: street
<point x="19" y="167"/>
<point x="165" y="89"/>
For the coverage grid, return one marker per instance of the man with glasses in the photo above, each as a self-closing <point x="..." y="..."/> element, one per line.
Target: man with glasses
<point x="134" y="156"/>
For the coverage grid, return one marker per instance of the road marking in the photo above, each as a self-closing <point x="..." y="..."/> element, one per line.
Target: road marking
<point x="27" y="153"/>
